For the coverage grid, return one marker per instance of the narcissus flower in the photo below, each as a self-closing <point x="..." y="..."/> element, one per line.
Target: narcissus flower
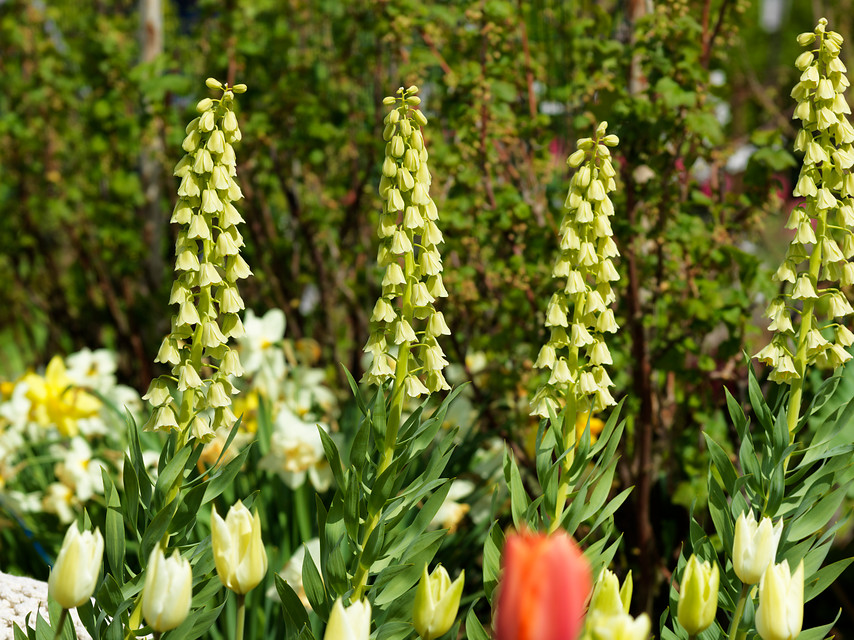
<point x="239" y="554"/>
<point x="437" y="600"/>
<point x="543" y="589"/>
<point x="75" y="573"/>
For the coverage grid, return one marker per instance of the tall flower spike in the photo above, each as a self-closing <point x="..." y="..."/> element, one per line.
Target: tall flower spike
<point x="207" y="265"/>
<point x="579" y="314"/>
<point x="409" y="254"/>
<point x="823" y="224"/>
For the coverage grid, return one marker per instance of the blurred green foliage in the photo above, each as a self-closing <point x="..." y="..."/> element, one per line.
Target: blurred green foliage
<point x="508" y="85"/>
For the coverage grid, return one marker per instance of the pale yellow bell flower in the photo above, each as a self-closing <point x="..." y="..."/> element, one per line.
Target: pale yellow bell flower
<point x="437" y="601"/>
<point x="75" y="573"/>
<point x="239" y="554"/>
<point x="168" y="590"/>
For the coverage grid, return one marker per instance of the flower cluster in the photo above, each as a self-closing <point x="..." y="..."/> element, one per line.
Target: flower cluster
<point x="409" y="241"/>
<point x="579" y="314"/>
<point x="71" y="416"/>
<point x="209" y="265"/>
<point x="823" y="238"/>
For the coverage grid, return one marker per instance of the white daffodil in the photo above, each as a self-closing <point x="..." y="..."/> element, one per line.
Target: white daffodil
<point x="258" y="350"/>
<point x="453" y="509"/>
<point x="92" y="369"/>
<point x="296" y="451"/>
<point x="78" y="470"/>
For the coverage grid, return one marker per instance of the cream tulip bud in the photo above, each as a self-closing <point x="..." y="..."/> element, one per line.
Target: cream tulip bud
<point x="239" y="554"/>
<point x="780" y="614"/>
<point x="168" y="590"/>
<point x="350" y="623"/>
<point x="75" y="572"/>
<point x="754" y="547"/>
<point x="698" y="596"/>
<point x="437" y="600"/>
<point x="608" y="597"/>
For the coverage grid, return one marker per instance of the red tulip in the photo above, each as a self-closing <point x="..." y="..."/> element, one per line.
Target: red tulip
<point x="543" y="589"/>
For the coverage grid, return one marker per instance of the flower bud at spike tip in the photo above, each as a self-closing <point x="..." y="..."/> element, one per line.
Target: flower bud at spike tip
<point x="349" y="623"/>
<point x="168" y="590"/>
<point x="437" y="600"/>
<point x="698" y="596"/>
<point x="239" y="554"/>
<point x="754" y="547"/>
<point x="543" y="589"/>
<point x="75" y="573"/>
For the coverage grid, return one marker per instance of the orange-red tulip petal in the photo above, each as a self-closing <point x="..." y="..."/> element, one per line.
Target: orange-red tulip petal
<point x="543" y="589"/>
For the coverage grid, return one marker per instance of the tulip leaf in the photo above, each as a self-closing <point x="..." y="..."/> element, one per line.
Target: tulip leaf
<point x="224" y="477"/>
<point x="357" y="394"/>
<point x="171" y="473"/>
<point x="332" y="456"/>
<point x="757" y="402"/>
<point x="115" y="535"/>
<point x="292" y="606"/>
<point x="492" y="559"/>
<point x="155" y="530"/>
<point x="474" y="629"/>
<point x="18" y="633"/>
<point x="824" y="577"/>
<point x="315" y="591"/>
<point x="518" y="496"/>
<point x="395" y="630"/>
<point x="819" y="633"/>
<point x="818" y="515"/>
<point x="723" y="464"/>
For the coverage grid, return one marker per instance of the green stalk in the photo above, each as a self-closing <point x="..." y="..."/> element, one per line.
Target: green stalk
<point x="62" y="617"/>
<point x="739" y="612"/>
<point x="401" y="371"/>
<point x="801" y="360"/>
<point x="241" y="616"/>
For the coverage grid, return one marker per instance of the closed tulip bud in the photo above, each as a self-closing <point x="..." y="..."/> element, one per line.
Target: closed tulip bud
<point x="239" y="554"/>
<point x="75" y="573"/>
<point x="608" y="598"/>
<point x="543" y="590"/>
<point x="350" y="623"/>
<point x="619" y="627"/>
<point x="698" y="596"/>
<point x="168" y="590"/>
<point x="754" y="547"/>
<point x="781" y="602"/>
<point x="437" y="600"/>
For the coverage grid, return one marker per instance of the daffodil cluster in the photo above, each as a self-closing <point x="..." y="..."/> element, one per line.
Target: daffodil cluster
<point x="579" y="314"/>
<point x="823" y="240"/>
<point x="404" y="316"/>
<point x="208" y="266"/>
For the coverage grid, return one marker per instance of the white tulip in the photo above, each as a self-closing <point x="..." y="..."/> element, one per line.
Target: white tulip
<point x="168" y="590"/>
<point x="241" y="560"/>
<point x="754" y="547"/>
<point x="75" y="573"/>
<point x="351" y="623"/>
<point x="780" y="614"/>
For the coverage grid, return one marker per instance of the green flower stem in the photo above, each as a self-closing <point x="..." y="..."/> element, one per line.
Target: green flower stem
<point x="569" y="442"/>
<point x="62" y="617"/>
<point x="398" y="395"/>
<point x="801" y="360"/>
<point x="739" y="611"/>
<point x="241" y="616"/>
